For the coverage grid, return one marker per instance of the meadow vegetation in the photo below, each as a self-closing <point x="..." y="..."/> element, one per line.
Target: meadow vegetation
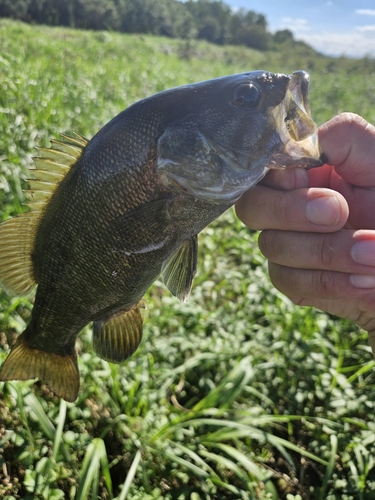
<point x="237" y="394"/>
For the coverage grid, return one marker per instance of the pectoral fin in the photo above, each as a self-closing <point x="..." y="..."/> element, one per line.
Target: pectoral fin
<point x="16" y="245"/>
<point x="119" y="337"/>
<point x="178" y="272"/>
<point x="142" y="229"/>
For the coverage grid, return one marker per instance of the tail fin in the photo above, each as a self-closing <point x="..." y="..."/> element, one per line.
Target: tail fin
<point x="59" y="372"/>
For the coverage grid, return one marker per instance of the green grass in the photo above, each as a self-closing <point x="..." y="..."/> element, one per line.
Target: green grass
<point x="237" y="394"/>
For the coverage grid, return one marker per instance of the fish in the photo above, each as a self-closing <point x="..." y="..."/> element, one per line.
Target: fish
<point x="110" y="215"/>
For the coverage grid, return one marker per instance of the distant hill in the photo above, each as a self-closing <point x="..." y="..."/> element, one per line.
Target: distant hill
<point x="210" y="20"/>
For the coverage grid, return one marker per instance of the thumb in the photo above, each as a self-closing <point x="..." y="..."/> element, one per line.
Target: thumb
<point x="348" y="141"/>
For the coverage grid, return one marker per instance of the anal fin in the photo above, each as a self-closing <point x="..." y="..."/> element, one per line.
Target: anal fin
<point x="118" y="337"/>
<point x="179" y="270"/>
<point x="60" y="373"/>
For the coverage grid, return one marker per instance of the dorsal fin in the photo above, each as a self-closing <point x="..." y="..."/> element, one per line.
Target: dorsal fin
<point x="51" y="167"/>
<point x="17" y="235"/>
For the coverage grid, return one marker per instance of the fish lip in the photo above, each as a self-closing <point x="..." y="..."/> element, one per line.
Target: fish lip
<point x="299" y="88"/>
<point x="318" y="163"/>
<point x="299" y="143"/>
<point x="282" y="161"/>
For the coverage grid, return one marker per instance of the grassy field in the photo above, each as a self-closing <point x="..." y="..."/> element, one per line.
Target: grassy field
<point x="237" y="394"/>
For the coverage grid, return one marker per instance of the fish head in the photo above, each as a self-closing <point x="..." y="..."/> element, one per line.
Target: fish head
<point x="233" y="129"/>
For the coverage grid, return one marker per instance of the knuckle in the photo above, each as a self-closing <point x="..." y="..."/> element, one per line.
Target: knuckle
<point x="323" y="248"/>
<point x="354" y="121"/>
<point x="280" y="209"/>
<point x="368" y="324"/>
<point x="303" y="287"/>
<point x="265" y="208"/>
<point x="269" y="243"/>
<point x="324" y="284"/>
<point x="351" y="123"/>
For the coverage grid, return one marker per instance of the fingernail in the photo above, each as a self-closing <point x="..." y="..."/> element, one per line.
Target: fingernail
<point x="324" y="211"/>
<point x="363" y="252"/>
<point x="362" y="281"/>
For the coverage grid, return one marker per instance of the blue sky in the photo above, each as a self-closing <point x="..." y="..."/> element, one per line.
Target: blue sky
<point x="341" y="27"/>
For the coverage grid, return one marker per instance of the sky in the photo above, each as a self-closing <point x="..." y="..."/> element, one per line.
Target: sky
<point x="337" y="27"/>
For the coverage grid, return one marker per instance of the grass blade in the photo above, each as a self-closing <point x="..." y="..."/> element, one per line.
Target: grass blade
<point x="60" y="425"/>
<point x="130" y="476"/>
<point x="197" y="471"/>
<point x="95" y="454"/>
<point x="45" y="423"/>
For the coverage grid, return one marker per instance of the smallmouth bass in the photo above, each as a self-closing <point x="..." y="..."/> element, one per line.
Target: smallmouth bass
<point x="110" y="215"/>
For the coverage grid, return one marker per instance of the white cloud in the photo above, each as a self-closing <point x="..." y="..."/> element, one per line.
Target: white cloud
<point x="295" y="24"/>
<point x="366" y="12"/>
<point x="354" y="43"/>
<point x="370" y="27"/>
<point x="357" y="42"/>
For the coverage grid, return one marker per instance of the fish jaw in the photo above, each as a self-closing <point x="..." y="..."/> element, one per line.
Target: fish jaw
<point x="297" y="130"/>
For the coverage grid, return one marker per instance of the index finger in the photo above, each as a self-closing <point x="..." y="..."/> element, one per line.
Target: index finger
<point x="304" y="209"/>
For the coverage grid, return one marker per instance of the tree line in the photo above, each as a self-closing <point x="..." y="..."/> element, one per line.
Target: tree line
<point x="210" y="20"/>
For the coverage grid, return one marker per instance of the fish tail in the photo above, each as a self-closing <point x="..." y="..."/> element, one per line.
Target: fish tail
<point x="59" y="372"/>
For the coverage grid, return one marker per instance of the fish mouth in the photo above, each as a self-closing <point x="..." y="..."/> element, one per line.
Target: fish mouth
<point x="297" y="130"/>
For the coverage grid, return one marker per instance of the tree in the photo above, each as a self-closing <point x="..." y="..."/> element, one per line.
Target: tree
<point x="250" y="29"/>
<point x="17" y="9"/>
<point x="283" y="36"/>
<point x="160" y="17"/>
<point x="211" y="18"/>
<point x="94" y="14"/>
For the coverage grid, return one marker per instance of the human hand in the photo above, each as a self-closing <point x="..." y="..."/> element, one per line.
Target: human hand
<point x="319" y="225"/>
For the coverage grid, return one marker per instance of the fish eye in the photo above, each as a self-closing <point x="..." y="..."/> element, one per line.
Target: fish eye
<point x="247" y="96"/>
